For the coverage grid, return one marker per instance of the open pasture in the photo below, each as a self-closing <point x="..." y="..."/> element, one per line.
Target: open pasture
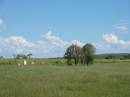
<point x="96" y="80"/>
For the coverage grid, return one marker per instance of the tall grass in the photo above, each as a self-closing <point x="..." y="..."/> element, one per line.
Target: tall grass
<point x="97" y="80"/>
<point x="57" y="61"/>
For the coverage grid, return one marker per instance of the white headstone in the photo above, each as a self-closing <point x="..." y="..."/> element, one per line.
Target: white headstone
<point x="24" y="62"/>
<point x="32" y="62"/>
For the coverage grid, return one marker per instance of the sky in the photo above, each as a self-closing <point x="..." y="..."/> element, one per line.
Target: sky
<point x="46" y="28"/>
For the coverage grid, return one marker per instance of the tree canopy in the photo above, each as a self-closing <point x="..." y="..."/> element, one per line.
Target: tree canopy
<point x="84" y="55"/>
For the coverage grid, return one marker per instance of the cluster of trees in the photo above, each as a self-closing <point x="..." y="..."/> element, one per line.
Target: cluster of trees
<point x="109" y="57"/>
<point x="84" y="55"/>
<point x="22" y="56"/>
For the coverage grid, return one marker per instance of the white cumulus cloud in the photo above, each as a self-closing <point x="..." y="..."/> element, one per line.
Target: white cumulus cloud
<point x="15" y="44"/>
<point x="77" y="42"/>
<point x="110" y="38"/>
<point x="55" y="40"/>
<point x="113" y="39"/>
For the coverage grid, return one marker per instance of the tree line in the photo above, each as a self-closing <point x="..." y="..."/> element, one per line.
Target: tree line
<point x="77" y="55"/>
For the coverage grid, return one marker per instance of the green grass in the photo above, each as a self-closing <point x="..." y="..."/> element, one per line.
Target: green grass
<point x="97" y="80"/>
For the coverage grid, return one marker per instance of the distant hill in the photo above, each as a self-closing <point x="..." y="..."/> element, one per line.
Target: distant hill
<point x="112" y="55"/>
<point x="106" y="56"/>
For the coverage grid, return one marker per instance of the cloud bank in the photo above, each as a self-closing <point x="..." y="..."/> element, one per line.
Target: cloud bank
<point x="49" y="45"/>
<point x="113" y="39"/>
<point x="116" y="45"/>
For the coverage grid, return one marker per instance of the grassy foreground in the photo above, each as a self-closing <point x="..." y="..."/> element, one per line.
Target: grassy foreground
<point x="97" y="80"/>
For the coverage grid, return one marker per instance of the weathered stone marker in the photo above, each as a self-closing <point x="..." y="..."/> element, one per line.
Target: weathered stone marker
<point x="24" y="62"/>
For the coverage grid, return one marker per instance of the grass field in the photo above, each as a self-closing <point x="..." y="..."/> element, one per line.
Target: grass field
<point x="97" y="80"/>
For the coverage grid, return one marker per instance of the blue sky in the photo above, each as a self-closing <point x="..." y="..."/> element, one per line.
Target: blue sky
<point x="47" y="27"/>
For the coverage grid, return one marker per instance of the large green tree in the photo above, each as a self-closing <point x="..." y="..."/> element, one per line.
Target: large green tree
<point x="73" y="53"/>
<point x="88" y="53"/>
